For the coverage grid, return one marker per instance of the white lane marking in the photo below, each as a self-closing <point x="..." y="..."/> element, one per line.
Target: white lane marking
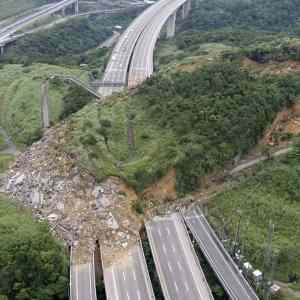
<point x="159" y="232"/>
<point x="128" y="297"/>
<point x="90" y="278"/>
<point x="134" y="275"/>
<point x="176" y="287"/>
<point x="124" y="276"/>
<point x="170" y="266"/>
<point x="168" y="231"/>
<point x="173" y="248"/>
<point x="77" y="289"/>
<point x="139" y="295"/>
<point x="164" y="248"/>
<point x="186" y="286"/>
<point x="179" y="265"/>
<point x="115" y="283"/>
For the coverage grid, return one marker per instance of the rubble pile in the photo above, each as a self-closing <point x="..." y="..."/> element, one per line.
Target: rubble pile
<point x="78" y="209"/>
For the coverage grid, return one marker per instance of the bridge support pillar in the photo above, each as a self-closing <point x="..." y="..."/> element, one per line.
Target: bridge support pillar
<point x="171" y="25"/>
<point x="76" y="7"/>
<point x="1" y="49"/>
<point x="185" y="9"/>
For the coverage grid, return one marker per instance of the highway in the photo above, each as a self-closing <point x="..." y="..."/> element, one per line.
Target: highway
<point x="116" y="70"/>
<point x="128" y="279"/>
<point x="221" y="262"/>
<point x="141" y="66"/>
<point x="82" y="281"/>
<point x="7" y="31"/>
<point x="177" y="265"/>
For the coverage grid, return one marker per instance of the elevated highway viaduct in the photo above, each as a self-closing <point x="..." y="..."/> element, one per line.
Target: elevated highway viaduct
<point x="7" y="31"/>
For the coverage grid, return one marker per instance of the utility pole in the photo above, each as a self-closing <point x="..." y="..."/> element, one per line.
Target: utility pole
<point x="130" y="135"/>
<point x="45" y="105"/>
<point x="268" y="266"/>
<point x="237" y="235"/>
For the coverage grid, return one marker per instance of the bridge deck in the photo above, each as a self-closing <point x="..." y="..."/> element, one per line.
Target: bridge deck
<point x="82" y="281"/>
<point x="128" y="279"/>
<point x="176" y="262"/>
<point x="226" y="270"/>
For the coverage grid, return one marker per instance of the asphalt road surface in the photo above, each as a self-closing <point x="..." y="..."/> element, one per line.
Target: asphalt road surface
<point x="7" y="31"/>
<point x="82" y="285"/>
<point x="116" y="70"/>
<point x="226" y="270"/>
<point x="141" y="66"/>
<point x="178" y="268"/>
<point x="128" y="279"/>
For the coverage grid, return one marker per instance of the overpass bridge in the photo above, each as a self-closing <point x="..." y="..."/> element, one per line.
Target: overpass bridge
<point x="221" y="262"/>
<point x="141" y="66"/>
<point x="154" y="16"/>
<point x="176" y="262"/>
<point x="128" y="278"/>
<point x="82" y="279"/>
<point x="8" y="31"/>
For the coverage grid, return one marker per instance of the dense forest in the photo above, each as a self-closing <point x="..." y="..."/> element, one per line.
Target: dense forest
<point x="32" y="264"/>
<point x="206" y="118"/>
<point x="66" y="43"/>
<point x="215" y="113"/>
<point x="269" y="15"/>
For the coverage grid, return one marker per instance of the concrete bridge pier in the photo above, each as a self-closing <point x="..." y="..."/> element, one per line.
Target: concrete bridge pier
<point x="63" y="11"/>
<point x="2" y="49"/>
<point x="185" y="9"/>
<point x="171" y="26"/>
<point x="76" y="7"/>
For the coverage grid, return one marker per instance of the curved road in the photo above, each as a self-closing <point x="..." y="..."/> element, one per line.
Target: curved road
<point x="116" y="71"/>
<point x="141" y="65"/>
<point x="7" y="31"/>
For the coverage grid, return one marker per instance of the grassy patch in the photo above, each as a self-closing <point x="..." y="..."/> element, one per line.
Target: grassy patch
<point x="272" y="194"/>
<point x="170" y="58"/>
<point x="20" y="98"/>
<point x="2" y="142"/>
<point x="5" y="160"/>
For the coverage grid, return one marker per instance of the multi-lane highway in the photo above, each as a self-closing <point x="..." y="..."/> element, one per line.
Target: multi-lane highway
<point x="178" y="268"/>
<point x="141" y="66"/>
<point x="82" y="280"/>
<point x="221" y="262"/>
<point x="7" y="31"/>
<point x="117" y="68"/>
<point x="128" y="279"/>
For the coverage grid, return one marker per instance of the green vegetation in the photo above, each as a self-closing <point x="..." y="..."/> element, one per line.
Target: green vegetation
<point x="271" y="15"/>
<point x="2" y="142"/>
<point x="272" y="194"/>
<point x="20" y="98"/>
<point x="65" y="43"/>
<point x="33" y="265"/>
<point x="76" y="99"/>
<point x="5" y="160"/>
<point x="206" y="118"/>
<point x="278" y="50"/>
<point x="9" y="8"/>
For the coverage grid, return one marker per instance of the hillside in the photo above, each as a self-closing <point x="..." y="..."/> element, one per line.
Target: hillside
<point x="20" y="98"/>
<point x="227" y="86"/>
<point x="195" y="130"/>
<point x="9" y="8"/>
<point x="33" y="265"/>
<point x="66" y="43"/>
<point x="271" y="194"/>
